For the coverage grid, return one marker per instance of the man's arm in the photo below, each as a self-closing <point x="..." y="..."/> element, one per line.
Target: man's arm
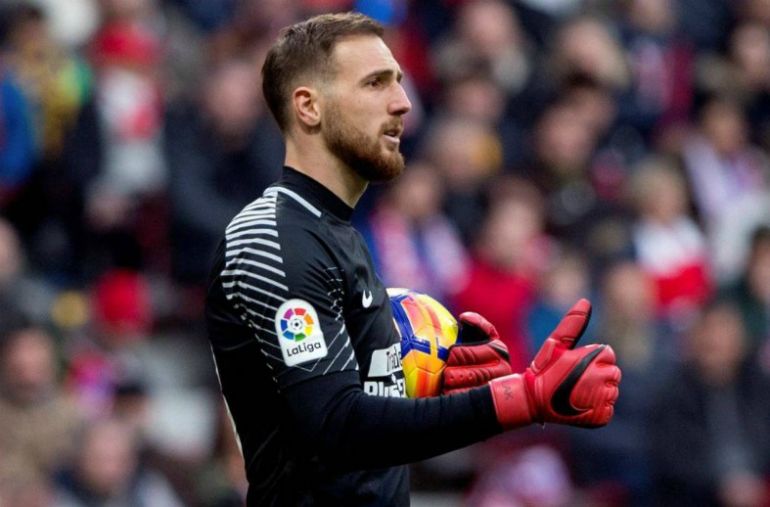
<point x="329" y="413"/>
<point x="331" y="416"/>
<point x="349" y="429"/>
<point x="564" y="384"/>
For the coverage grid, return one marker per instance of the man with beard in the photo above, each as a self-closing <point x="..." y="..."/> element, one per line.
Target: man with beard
<point x="301" y="327"/>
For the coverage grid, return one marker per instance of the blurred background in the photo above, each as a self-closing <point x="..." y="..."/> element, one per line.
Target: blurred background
<point x="557" y="149"/>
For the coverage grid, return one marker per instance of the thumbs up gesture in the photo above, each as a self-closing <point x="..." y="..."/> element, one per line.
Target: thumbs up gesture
<point x="563" y="384"/>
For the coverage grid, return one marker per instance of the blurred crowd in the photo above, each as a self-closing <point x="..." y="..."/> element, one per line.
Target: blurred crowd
<point x="557" y="149"/>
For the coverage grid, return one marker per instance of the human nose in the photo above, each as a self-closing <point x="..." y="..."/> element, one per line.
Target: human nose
<point x="400" y="105"/>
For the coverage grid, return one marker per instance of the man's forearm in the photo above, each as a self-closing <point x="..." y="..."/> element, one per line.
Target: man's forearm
<point x="352" y="430"/>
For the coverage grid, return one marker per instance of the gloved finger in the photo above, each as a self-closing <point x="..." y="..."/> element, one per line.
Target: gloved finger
<point x="477" y="354"/>
<point x="598" y="385"/>
<point x="460" y="379"/>
<point x="474" y="328"/>
<point x="572" y="326"/>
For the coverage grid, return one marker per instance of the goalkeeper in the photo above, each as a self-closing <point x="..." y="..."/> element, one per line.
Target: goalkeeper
<point x="301" y="327"/>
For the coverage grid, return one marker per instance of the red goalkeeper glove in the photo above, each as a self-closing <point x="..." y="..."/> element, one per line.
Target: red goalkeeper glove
<point x="478" y="357"/>
<point x="563" y="384"/>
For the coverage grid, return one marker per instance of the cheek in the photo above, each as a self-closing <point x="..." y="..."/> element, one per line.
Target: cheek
<point x="351" y="118"/>
<point x="362" y="114"/>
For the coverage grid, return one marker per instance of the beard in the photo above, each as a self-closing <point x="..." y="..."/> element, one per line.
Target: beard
<point x="361" y="153"/>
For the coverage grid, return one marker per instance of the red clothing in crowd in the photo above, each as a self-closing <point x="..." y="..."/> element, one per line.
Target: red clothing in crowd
<point x="503" y="298"/>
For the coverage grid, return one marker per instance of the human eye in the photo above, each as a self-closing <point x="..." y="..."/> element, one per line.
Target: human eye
<point x="378" y="80"/>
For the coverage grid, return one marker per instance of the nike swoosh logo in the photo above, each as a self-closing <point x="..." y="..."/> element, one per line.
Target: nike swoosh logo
<point x="366" y="299"/>
<point x="560" y="400"/>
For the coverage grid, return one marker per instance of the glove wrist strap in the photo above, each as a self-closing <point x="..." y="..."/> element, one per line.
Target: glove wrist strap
<point x="512" y="406"/>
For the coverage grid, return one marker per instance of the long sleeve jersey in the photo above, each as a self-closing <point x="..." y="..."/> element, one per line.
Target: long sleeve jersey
<point x="309" y="362"/>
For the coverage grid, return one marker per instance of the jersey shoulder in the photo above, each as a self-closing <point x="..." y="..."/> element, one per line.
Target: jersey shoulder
<point x="281" y="247"/>
<point x="280" y="213"/>
<point x="279" y="277"/>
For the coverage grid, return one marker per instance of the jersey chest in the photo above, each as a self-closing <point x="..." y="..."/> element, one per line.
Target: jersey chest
<point x="368" y="318"/>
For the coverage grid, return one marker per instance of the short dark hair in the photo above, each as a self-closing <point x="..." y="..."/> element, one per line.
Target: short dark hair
<point x="305" y="48"/>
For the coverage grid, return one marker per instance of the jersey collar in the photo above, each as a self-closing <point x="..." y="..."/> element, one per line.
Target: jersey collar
<point x="315" y="192"/>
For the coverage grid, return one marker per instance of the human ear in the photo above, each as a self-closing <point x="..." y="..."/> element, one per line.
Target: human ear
<point x="305" y="101"/>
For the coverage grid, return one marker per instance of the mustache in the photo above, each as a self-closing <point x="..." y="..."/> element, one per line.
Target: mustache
<point x="396" y="125"/>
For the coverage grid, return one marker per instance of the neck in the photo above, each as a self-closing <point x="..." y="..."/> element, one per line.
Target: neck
<point x="321" y="165"/>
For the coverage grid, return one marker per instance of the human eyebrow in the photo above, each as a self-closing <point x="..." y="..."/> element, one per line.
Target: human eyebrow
<point x="382" y="75"/>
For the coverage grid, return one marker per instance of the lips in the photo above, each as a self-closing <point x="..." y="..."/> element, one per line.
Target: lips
<point x="394" y="130"/>
<point x="392" y="139"/>
<point x="393" y="133"/>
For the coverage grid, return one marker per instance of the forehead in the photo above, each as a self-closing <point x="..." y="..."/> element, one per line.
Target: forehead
<point x="362" y="54"/>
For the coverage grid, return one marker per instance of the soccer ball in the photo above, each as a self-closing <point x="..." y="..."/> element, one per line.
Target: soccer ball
<point x="427" y="331"/>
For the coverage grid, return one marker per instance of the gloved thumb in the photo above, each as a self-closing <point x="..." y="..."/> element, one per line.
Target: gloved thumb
<point x="572" y="325"/>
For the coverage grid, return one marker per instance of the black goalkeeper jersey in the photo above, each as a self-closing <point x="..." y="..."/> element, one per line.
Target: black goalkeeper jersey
<point x="309" y="360"/>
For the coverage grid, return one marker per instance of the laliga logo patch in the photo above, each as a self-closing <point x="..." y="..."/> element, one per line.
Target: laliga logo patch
<point x="297" y="324"/>
<point x="299" y="332"/>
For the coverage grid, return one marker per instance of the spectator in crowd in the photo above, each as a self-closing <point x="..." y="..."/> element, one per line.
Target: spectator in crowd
<point x="484" y="65"/>
<point x="412" y="243"/>
<point x="107" y="472"/>
<point x="219" y="149"/>
<point x="751" y="293"/>
<point x="749" y="52"/>
<point x="252" y="24"/>
<point x="536" y="475"/>
<point x="668" y="244"/>
<point x="104" y="357"/>
<point x="38" y="421"/>
<point x="592" y="102"/>
<point x="17" y="144"/>
<point x="756" y="11"/>
<point x="564" y="144"/>
<point x="660" y="63"/>
<point x="468" y="154"/>
<point x="126" y="366"/>
<point x="613" y="463"/>
<point x="709" y="425"/>
<point x="21" y="292"/>
<point x="476" y="97"/>
<point x="486" y="34"/>
<point x="743" y="74"/>
<point x="747" y="77"/>
<point x="506" y="264"/>
<point x="114" y="159"/>
<point x="27" y="492"/>
<point x="706" y="23"/>
<point x="73" y="23"/>
<point x="565" y="278"/>
<point x="730" y="179"/>
<point x="586" y="45"/>
<point x="54" y="80"/>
